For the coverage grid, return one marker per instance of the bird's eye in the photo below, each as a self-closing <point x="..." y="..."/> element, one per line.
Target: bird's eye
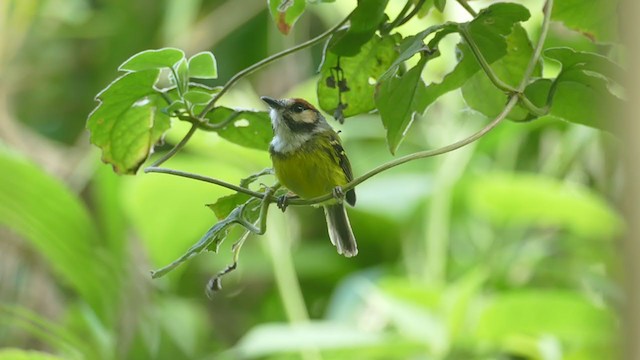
<point x="297" y="108"/>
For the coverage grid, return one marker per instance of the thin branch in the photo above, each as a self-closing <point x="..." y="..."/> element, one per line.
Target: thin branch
<point x="267" y="61"/>
<point x="537" y="52"/>
<point x="175" y="149"/>
<point x="153" y="169"/>
<point x="462" y="29"/>
<point x="467" y="7"/>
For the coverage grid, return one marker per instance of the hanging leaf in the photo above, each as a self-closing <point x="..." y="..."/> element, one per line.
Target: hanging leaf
<point x="285" y="13"/>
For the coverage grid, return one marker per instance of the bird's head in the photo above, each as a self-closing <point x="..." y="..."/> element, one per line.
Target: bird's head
<point x="294" y="122"/>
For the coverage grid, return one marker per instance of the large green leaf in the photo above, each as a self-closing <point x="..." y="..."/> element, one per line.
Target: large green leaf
<point x="596" y="19"/>
<point x="482" y="95"/>
<point x="364" y="22"/>
<point x="535" y="200"/>
<point x="581" y="93"/>
<point x="127" y="122"/>
<point x="247" y="128"/>
<point x="399" y="99"/>
<point x="285" y="13"/>
<point x="57" y="225"/>
<point x="360" y="74"/>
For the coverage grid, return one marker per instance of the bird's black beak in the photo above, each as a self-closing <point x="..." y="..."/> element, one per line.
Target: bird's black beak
<point x="273" y="103"/>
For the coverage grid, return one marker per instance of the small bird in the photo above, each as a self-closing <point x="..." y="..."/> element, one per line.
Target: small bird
<point x="309" y="160"/>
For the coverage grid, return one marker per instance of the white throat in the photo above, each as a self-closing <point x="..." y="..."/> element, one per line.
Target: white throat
<point x="285" y="140"/>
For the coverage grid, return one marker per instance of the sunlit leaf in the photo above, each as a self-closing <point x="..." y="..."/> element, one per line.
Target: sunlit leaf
<point x="363" y="24"/>
<point x="596" y="19"/>
<point x="127" y="123"/>
<point x="359" y="73"/>
<point x="153" y="59"/>
<point x="243" y="127"/>
<point x="203" y="66"/>
<point x="399" y="99"/>
<point x="285" y="13"/>
<point x="197" y="97"/>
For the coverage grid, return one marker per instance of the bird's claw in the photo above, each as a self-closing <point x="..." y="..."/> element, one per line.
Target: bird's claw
<point x="282" y="202"/>
<point x="338" y="194"/>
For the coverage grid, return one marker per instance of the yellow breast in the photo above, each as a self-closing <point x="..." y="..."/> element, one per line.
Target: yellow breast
<point x="310" y="171"/>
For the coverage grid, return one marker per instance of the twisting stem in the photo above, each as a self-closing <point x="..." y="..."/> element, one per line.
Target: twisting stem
<point x="398" y="18"/>
<point x="267" y="61"/>
<point x="483" y="62"/>
<point x="176" y="148"/>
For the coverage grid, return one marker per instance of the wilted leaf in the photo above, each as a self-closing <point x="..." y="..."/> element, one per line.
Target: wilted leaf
<point x="286" y="12"/>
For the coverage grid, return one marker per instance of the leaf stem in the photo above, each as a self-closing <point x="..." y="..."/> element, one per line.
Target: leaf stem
<point x="467" y="7"/>
<point x="395" y="23"/>
<point x="537" y="52"/>
<point x="413" y="13"/>
<point x="175" y="149"/>
<point x="267" y="61"/>
<point x="462" y="29"/>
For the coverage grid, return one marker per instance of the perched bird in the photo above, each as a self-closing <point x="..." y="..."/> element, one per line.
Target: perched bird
<point x="309" y="160"/>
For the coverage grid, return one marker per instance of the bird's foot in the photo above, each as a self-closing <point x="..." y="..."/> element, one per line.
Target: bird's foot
<point x="338" y="194"/>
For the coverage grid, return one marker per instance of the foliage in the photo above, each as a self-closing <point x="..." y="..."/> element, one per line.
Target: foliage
<point x="517" y="223"/>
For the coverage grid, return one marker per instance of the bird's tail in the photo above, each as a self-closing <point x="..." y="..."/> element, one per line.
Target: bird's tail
<point x="340" y="231"/>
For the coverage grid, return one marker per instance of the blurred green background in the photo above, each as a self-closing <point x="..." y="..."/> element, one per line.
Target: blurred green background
<point x="504" y="249"/>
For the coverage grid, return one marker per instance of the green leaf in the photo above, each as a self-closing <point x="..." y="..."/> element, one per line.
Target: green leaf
<point x="285" y="13"/>
<point x="482" y="95"/>
<point x="203" y="66"/>
<point x="399" y="99"/>
<point x="534" y="200"/>
<point x="440" y="4"/>
<point x="197" y="97"/>
<point x="567" y="315"/>
<point x="153" y="59"/>
<point x="596" y="19"/>
<point x="489" y="31"/>
<point x="212" y="239"/>
<point x="364" y="22"/>
<point x="360" y="74"/>
<point x="581" y="93"/>
<point x="182" y="73"/>
<point x="225" y="205"/>
<point x="126" y="124"/>
<point x="412" y="45"/>
<point x="246" y="128"/>
<point x="54" y="222"/>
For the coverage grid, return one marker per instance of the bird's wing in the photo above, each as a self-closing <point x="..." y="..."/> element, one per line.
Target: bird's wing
<point x="345" y="165"/>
